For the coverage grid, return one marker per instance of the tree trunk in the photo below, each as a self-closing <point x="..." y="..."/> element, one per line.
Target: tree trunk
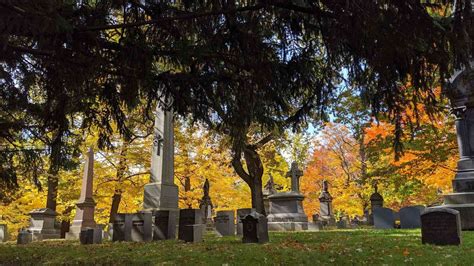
<point x="253" y="176"/>
<point x="53" y="179"/>
<point x="121" y="168"/>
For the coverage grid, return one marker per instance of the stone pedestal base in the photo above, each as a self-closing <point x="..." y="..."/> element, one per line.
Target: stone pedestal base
<point x="42" y="224"/>
<point x="160" y="197"/>
<point x="84" y="218"/>
<point x="286" y="212"/>
<point x="464" y="203"/>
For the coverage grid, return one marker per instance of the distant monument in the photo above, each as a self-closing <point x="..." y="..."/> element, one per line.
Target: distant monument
<point x="376" y="201"/>
<point x="326" y="212"/>
<point x="161" y="193"/>
<point x="206" y="206"/>
<point x="460" y="90"/>
<point x="268" y="189"/>
<point x="286" y="208"/>
<point x="84" y="217"/>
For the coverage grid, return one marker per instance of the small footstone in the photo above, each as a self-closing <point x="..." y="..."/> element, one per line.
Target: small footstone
<point x="441" y="226"/>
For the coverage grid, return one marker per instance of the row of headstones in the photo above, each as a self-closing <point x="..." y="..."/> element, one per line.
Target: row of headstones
<point x="439" y="226"/>
<point x="153" y="226"/>
<point x="409" y="217"/>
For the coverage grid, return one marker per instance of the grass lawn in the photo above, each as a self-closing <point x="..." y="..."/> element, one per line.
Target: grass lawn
<point x="392" y="247"/>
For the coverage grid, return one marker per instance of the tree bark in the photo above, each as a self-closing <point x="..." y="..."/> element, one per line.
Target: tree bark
<point x="121" y="168"/>
<point x="53" y="179"/>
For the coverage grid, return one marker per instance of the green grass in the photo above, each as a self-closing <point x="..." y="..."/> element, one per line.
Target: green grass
<point x="369" y="247"/>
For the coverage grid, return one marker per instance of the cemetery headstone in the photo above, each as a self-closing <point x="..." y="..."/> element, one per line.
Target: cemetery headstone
<point x="342" y="223"/>
<point x="325" y="202"/>
<point x="241" y="213"/>
<point x="441" y="226"/>
<point x="268" y="190"/>
<point x="255" y="228"/>
<point x="84" y="217"/>
<point x="376" y="201"/>
<point x="224" y="222"/>
<point x="136" y="227"/>
<point x="286" y="208"/>
<point x="3" y="231"/>
<point x="410" y="217"/>
<point x="42" y="224"/>
<point x="190" y="225"/>
<point x="90" y="236"/>
<point x="384" y="218"/>
<point x="24" y="237"/>
<point x="206" y="207"/>
<point x="161" y="229"/>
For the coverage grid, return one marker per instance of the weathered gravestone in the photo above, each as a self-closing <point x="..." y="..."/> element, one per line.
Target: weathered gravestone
<point x="206" y="207"/>
<point x="384" y="218"/>
<point x="441" y="226"/>
<point x="162" y="230"/>
<point x="241" y="213"/>
<point x="268" y="190"/>
<point x="136" y="227"/>
<point x="24" y="237"/>
<point x="90" y="236"/>
<point x="410" y="217"/>
<point x="255" y="228"/>
<point x="224" y="223"/>
<point x="376" y="201"/>
<point x="342" y="223"/>
<point x="190" y="225"/>
<point x="3" y="231"/>
<point x="42" y="224"/>
<point x="326" y="212"/>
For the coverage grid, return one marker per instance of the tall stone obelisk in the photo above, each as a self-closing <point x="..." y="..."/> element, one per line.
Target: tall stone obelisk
<point x="161" y="193"/>
<point x="85" y="205"/>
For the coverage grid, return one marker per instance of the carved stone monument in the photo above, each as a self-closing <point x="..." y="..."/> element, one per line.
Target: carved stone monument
<point x="286" y="208"/>
<point x="161" y="193"/>
<point x="326" y="212"/>
<point x="376" y="201"/>
<point x="268" y="190"/>
<point x="206" y="207"/>
<point x="42" y="224"/>
<point x="461" y="93"/>
<point x="84" y="217"/>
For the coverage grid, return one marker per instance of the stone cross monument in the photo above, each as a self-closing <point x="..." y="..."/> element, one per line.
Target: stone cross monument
<point x="295" y="173"/>
<point x="86" y="205"/>
<point x="161" y="193"/>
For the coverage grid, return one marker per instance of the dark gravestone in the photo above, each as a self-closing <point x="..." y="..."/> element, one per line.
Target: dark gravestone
<point x="90" y="236"/>
<point x="410" y="217"/>
<point x="241" y="213"/>
<point x="162" y="219"/>
<point x="384" y="218"/>
<point x="255" y="228"/>
<point x="65" y="224"/>
<point x="136" y="227"/>
<point x="24" y="237"/>
<point x="441" y="226"/>
<point x="190" y="225"/>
